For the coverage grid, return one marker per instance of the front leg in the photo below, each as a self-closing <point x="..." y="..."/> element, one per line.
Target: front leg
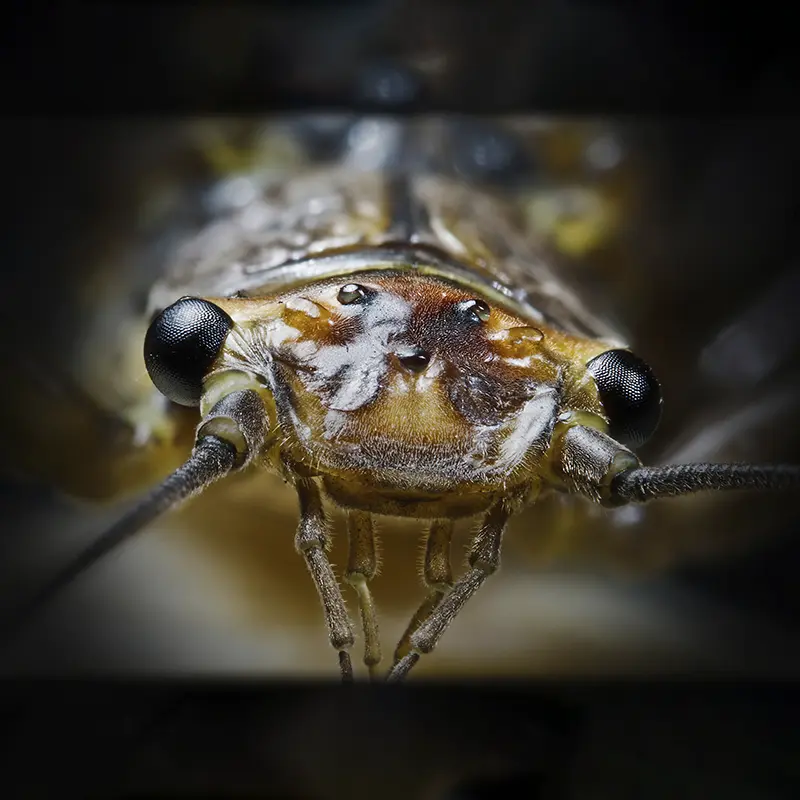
<point x="362" y="567"/>
<point x="311" y="542"/>
<point x="484" y="560"/>
<point x="438" y="577"/>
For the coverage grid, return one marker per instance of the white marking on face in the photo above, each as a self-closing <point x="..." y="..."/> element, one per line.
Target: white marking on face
<point x="423" y="382"/>
<point x="525" y="361"/>
<point x="304" y="350"/>
<point x="304" y="306"/>
<point x="361" y="364"/>
<point x="335" y="422"/>
<point x="532" y="424"/>
<point x="401" y="383"/>
<point x="277" y="332"/>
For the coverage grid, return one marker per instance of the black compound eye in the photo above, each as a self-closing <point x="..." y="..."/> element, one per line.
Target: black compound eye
<point x="181" y="344"/>
<point x="474" y="310"/>
<point x="351" y="293"/>
<point x="630" y="395"/>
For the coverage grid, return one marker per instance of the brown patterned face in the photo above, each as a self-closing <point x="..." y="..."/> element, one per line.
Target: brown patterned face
<point x="407" y="384"/>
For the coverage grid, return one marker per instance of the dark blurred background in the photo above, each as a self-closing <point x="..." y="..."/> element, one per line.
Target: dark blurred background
<point x="653" y="56"/>
<point x="712" y="95"/>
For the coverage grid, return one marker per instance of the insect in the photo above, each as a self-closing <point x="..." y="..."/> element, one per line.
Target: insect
<point x="381" y="335"/>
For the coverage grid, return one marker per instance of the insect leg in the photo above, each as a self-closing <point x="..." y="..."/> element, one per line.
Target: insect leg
<point x="311" y="542"/>
<point x="484" y="560"/>
<point x="438" y="577"/>
<point x="362" y="566"/>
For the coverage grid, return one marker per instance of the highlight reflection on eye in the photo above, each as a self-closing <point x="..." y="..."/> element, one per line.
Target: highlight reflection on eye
<point x="351" y="293"/>
<point x="475" y="310"/>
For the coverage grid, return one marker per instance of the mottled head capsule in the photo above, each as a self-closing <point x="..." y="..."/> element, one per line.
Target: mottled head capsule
<point x="474" y="310"/>
<point x="181" y="344"/>
<point x="630" y="395"/>
<point x="351" y="293"/>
